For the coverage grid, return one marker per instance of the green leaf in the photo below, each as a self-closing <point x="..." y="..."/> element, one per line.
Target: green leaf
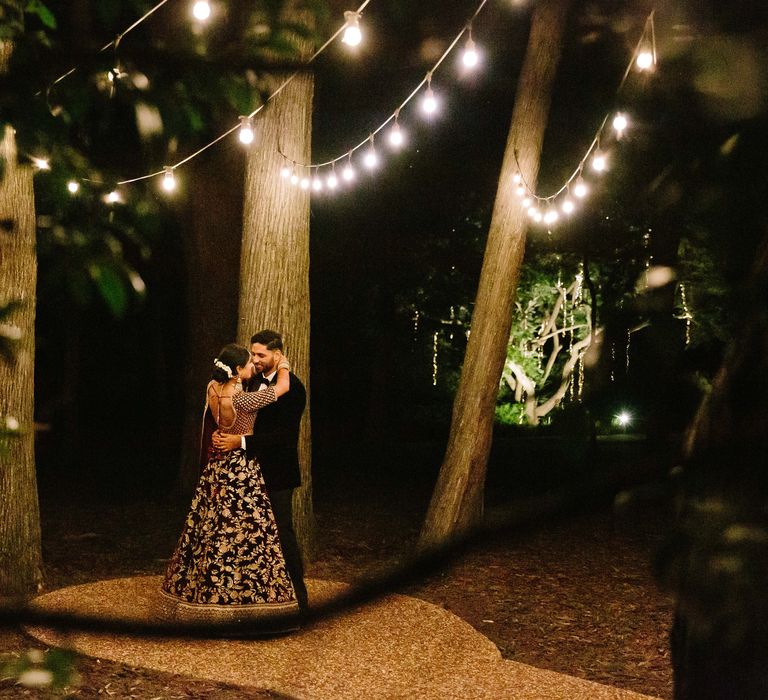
<point x="36" y="7"/>
<point x="111" y="288"/>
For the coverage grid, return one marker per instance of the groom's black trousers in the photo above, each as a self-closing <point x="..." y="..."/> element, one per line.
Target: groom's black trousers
<point x="282" y="507"/>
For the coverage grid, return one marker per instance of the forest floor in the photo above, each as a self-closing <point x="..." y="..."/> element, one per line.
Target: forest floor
<point x="577" y="596"/>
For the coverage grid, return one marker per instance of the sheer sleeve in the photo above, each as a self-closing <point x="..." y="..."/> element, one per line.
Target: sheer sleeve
<point x="252" y="401"/>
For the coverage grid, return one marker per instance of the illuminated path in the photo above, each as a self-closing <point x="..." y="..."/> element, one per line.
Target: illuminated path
<point x="398" y="647"/>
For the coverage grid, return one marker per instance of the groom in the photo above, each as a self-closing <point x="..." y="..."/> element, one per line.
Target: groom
<point x="274" y="443"/>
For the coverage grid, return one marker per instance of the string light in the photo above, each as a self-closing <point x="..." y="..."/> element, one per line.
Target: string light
<point x="246" y="130"/>
<point x="599" y="162"/>
<point x="201" y="10"/>
<point x="568" y="207"/>
<point x="580" y="189"/>
<point x="286" y="171"/>
<point x="332" y="182"/>
<point x="371" y="158"/>
<point x="73" y="187"/>
<point x="470" y="58"/>
<point x="429" y="103"/>
<point x="317" y="183"/>
<point x="304" y="183"/>
<point x="113" y="197"/>
<point x="396" y="138"/>
<point x="644" y="60"/>
<point x="294" y="178"/>
<point x="620" y="124"/>
<point x="349" y="172"/>
<point x="169" y="179"/>
<point x="41" y="163"/>
<point x="352" y="34"/>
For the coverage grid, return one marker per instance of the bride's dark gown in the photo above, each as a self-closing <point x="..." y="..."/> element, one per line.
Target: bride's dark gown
<point x="228" y="565"/>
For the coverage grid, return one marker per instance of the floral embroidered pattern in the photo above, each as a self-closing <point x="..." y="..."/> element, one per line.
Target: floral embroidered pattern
<point x="229" y="551"/>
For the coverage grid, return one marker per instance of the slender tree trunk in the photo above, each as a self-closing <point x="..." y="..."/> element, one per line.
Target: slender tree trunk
<point x="458" y="497"/>
<point x="274" y="265"/>
<point x="20" y="554"/>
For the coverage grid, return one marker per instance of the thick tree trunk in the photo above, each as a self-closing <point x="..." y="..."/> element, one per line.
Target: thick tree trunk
<point x="20" y="555"/>
<point x="274" y="266"/>
<point x="211" y="251"/>
<point x="458" y="497"/>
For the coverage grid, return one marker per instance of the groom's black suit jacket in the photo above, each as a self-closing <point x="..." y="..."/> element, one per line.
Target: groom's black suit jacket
<point x="275" y="438"/>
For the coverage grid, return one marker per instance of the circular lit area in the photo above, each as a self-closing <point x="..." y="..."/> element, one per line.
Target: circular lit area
<point x="201" y="10"/>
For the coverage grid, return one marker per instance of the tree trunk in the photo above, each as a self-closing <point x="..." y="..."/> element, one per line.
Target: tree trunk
<point x="211" y="251"/>
<point x="458" y="497"/>
<point x="274" y="264"/>
<point x="20" y="554"/>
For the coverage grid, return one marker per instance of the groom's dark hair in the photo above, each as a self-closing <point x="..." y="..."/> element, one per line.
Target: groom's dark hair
<point x="272" y="339"/>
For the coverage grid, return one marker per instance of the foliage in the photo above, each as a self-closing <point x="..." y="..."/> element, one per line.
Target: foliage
<point x="54" y="669"/>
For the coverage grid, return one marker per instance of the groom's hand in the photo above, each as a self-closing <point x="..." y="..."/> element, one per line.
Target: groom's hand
<point x="225" y="442"/>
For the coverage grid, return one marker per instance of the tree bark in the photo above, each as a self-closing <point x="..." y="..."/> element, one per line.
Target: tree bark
<point x="274" y="264"/>
<point x="20" y="552"/>
<point x="457" y="501"/>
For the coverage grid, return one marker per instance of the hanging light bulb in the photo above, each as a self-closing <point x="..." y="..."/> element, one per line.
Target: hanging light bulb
<point x="532" y="212"/>
<point x="429" y="103"/>
<point x="201" y="10"/>
<point x="371" y="158"/>
<point x="396" y="137"/>
<point x="113" y="197"/>
<point x="286" y="171"/>
<point x="332" y="181"/>
<point x="73" y="186"/>
<point x="520" y="190"/>
<point x="169" y="179"/>
<point x="517" y="178"/>
<point x="348" y="173"/>
<point x="644" y="60"/>
<point x="527" y="201"/>
<point x="470" y="58"/>
<point x="551" y="216"/>
<point x="599" y="162"/>
<point x="246" y="130"/>
<point x="317" y="184"/>
<point x="580" y="189"/>
<point x="352" y="34"/>
<point x="568" y="206"/>
<point x="304" y="183"/>
<point x="41" y="163"/>
<point x="294" y="179"/>
<point x="620" y="124"/>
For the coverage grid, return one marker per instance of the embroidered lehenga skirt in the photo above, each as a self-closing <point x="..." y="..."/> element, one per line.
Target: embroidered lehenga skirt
<point x="228" y="565"/>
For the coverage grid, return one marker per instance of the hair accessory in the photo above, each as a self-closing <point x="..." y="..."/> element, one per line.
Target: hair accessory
<point x="218" y="363"/>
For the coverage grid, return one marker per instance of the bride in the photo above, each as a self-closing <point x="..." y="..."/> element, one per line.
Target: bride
<point x="228" y="565"/>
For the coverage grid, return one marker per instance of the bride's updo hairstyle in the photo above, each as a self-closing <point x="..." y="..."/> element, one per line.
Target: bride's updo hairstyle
<point x="228" y="360"/>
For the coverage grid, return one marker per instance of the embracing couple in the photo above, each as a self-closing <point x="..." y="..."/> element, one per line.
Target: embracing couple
<point x="237" y="559"/>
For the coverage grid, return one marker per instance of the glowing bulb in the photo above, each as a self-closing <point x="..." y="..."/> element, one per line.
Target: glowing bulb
<point x="348" y="173"/>
<point x="73" y="186"/>
<point x="532" y="212"/>
<point x="396" y="136"/>
<point x="470" y="57"/>
<point x="520" y="190"/>
<point x="599" y="163"/>
<point x="352" y="34"/>
<point x="285" y="172"/>
<point x="624" y="418"/>
<point x="246" y="130"/>
<point x="41" y="163"/>
<point x="317" y="184"/>
<point x="517" y="178"/>
<point x="113" y="197"/>
<point x="644" y="60"/>
<point x="580" y="189"/>
<point x="568" y="206"/>
<point x="551" y="216"/>
<point x="429" y="103"/>
<point x="294" y="179"/>
<point x="527" y="202"/>
<point x="201" y="10"/>
<point x="537" y="216"/>
<point x="304" y="183"/>
<point x="620" y="123"/>
<point x="371" y="159"/>
<point x="332" y="181"/>
<point x="169" y="180"/>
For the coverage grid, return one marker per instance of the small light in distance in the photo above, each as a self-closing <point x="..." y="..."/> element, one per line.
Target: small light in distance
<point x="41" y="163"/>
<point x="620" y="124"/>
<point x="624" y="418"/>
